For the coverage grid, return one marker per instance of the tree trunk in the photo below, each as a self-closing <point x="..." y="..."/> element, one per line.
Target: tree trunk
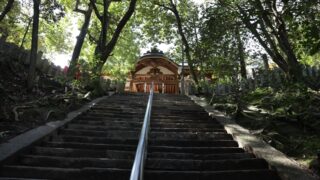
<point x="25" y="33"/>
<point x="79" y="43"/>
<point x="104" y="49"/>
<point x="34" y="44"/>
<point x="7" y="8"/>
<point x="278" y="39"/>
<point x="96" y="79"/>
<point x="185" y="43"/>
<point x="268" y="45"/>
<point x="112" y="43"/>
<point x="243" y="69"/>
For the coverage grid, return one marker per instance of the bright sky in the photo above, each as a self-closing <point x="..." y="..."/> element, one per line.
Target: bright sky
<point x="62" y="60"/>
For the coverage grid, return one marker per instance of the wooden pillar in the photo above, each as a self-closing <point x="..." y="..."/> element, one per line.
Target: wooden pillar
<point x="131" y="85"/>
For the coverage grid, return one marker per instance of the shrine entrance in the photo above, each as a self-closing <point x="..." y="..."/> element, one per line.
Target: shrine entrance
<point x="157" y="68"/>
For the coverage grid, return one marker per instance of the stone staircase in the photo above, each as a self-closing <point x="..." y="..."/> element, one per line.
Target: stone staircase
<point x="99" y="144"/>
<point x="184" y="143"/>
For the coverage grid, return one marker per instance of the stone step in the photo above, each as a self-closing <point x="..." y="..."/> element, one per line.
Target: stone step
<point x="117" y="106"/>
<point x="212" y="175"/>
<point x="193" y="143"/>
<point x="161" y="164"/>
<point x="133" y="111"/>
<point x="173" y="116"/>
<point x="109" y="119"/>
<point x="96" y="115"/>
<point x="111" y="123"/>
<point x="184" y="108"/>
<point x="189" y="136"/>
<point x="65" y="173"/>
<point x="169" y="108"/>
<point x="184" y="125"/>
<point x="122" y="154"/>
<point x="123" y="106"/>
<point x="103" y="140"/>
<point x="89" y="153"/>
<point x="184" y="120"/>
<point x="178" y="113"/>
<point x="110" y="115"/>
<point x="79" y="145"/>
<point x="115" y="118"/>
<point x="196" y="150"/>
<point x="105" y="134"/>
<point x="206" y="165"/>
<point x="152" y="135"/>
<point x="74" y="125"/>
<point x="8" y="178"/>
<point x="194" y="156"/>
<point x="127" y="110"/>
<point x="190" y="129"/>
<point x="72" y="162"/>
<point x="123" y="174"/>
<point x="154" y="124"/>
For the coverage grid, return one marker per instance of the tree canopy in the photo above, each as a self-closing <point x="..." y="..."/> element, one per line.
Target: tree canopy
<point x="223" y="37"/>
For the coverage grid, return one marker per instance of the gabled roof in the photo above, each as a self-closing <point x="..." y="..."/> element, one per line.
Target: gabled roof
<point x="156" y="59"/>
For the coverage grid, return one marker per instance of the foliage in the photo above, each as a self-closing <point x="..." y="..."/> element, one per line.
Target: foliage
<point x="124" y="57"/>
<point x="13" y="25"/>
<point x="256" y="97"/>
<point x="218" y="44"/>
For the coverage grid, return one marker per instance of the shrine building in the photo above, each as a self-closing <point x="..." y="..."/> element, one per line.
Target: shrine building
<point x="155" y="67"/>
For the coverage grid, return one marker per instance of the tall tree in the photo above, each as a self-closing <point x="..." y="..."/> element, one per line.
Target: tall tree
<point x="243" y="68"/>
<point x="80" y="39"/>
<point x="104" y="46"/>
<point x="267" y="24"/>
<point x="222" y="42"/>
<point x="34" y="44"/>
<point x="172" y="6"/>
<point x="7" y="8"/>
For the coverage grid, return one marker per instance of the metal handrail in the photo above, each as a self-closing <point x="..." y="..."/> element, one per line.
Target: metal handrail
<point x="141" y="153"/>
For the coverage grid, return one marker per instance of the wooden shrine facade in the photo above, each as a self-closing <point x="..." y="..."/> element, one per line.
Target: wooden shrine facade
<point x="157" y="68"/>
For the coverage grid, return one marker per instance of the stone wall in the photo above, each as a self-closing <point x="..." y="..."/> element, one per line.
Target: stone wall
<point x="43" y="65"/>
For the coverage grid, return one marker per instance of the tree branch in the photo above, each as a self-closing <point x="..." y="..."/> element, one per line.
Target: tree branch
<point x="164" y="6"/>
<point x="96" y="11"/>
<point x="276" y="56"/>
<point x="92" y="38"/>
<point x="7" y="8"/>
<point x="77" y="9"/>
<point x="110" y="46"/>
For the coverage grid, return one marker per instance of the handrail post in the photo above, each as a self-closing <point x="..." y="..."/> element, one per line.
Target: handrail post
<point x="141" y="153"/>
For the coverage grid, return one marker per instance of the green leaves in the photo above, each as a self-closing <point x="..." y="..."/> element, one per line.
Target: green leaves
<point x="52" y="11"/>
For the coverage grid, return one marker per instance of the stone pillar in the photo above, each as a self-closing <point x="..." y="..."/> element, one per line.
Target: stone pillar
<point x="163" y="88"/>
<point x="310" y="71"/>
<point x="315" y="71"/>
<point x="304" y="71"/>
<point x="265" y="62"/>
<point x="253" y="73"/>
<point x="39" y="60"/>
<point x="27" y="58"/>
<point x="45" y="66"/>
